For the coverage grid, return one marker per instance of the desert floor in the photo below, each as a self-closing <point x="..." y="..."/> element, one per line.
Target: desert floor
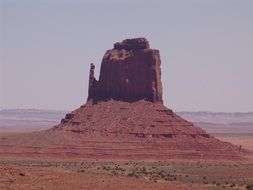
<point x="29" y="173"/>
<point x="111" y="174"/>
<point x="124" y="175"/>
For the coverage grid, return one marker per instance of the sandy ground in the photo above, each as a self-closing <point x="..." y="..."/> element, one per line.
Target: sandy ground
<point x="245" y="140"/>
<point x="21" y="178"/>
<point x="124" y="175"/>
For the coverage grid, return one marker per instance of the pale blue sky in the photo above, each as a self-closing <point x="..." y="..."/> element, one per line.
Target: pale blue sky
<point x="206" y="49"/>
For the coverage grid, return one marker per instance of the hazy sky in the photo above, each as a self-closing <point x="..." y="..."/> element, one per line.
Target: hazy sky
<point x="206" y="46"/>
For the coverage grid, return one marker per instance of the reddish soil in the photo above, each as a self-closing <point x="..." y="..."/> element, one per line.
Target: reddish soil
<point x="242" y="140"/>
<point x="21" y="178"/>
<point x="19" y="175"/>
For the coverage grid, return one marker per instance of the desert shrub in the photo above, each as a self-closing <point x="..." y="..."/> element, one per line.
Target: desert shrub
<point x="162" y="176"/>
<point x="132" y="174"/>
<point x="232" y="185"/>
<point x="143" y="170"/>
<point x="114" y="172"/>
<point x="168" y="179"/>
<point x="249" y="187"/>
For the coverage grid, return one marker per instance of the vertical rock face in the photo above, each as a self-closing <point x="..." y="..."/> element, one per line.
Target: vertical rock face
<point x="129" y="72"/>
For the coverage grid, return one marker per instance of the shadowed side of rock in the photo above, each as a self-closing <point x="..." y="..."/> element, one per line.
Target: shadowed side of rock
<point x="129" y="72"/>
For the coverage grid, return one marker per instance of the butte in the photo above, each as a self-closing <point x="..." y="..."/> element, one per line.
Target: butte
<point x="124" y="116"/>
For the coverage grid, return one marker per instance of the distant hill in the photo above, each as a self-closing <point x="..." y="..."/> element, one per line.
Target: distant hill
<point x="213" y="122"/>
<point x="217" y="122"/>
<point x="12" y="120"/>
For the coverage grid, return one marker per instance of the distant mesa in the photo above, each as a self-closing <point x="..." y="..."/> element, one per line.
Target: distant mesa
<point x="129" y="72"/>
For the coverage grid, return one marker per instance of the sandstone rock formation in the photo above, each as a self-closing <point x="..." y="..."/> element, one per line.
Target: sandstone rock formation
<point x="124" y="118"/>
<point x="128" y="119"/>
<point x="129" y="72"/>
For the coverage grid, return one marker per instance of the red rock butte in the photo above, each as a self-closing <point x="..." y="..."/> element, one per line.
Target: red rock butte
<point x="124" y="118"/>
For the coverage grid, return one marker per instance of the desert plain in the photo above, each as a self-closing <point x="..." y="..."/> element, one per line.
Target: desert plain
<point x="33" y="172"/>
